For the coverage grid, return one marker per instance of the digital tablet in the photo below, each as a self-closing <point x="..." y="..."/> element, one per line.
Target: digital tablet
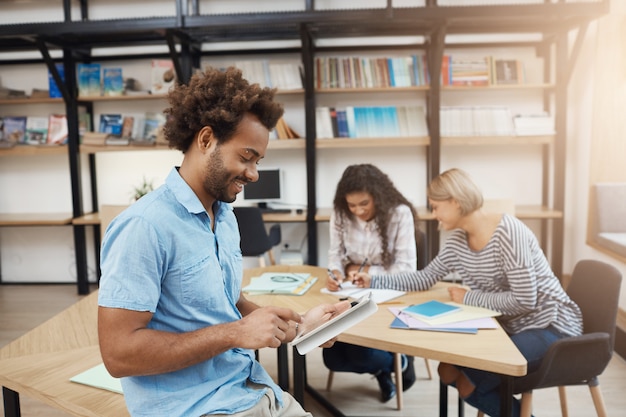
<point x="361" y="309"/>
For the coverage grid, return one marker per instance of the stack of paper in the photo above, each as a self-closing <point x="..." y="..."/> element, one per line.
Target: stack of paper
<point x="285" y="283"/>
<point x="458" y="318"/>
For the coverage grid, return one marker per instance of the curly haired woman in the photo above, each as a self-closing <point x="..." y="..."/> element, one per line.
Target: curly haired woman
<point x="373" y="228"/>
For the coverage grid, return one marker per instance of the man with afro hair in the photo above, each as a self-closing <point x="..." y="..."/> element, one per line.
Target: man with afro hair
<point x="173" y="323"/>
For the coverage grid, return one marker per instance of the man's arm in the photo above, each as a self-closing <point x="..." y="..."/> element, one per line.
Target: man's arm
<point x="130" y="348"/>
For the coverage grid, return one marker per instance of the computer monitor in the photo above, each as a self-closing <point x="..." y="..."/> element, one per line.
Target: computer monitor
<point x="267" y="189"/>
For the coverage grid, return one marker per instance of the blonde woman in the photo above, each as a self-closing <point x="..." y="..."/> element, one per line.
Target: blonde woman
<point x="502" y="268"/>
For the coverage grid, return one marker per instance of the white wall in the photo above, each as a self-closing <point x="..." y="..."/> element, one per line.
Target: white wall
<point x="501" y="172"/>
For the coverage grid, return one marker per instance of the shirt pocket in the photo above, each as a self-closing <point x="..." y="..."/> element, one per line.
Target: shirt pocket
<point x="202" y="284"/>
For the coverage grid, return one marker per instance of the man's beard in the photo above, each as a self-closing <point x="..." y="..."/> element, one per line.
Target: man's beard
<point x="217" y="179"/>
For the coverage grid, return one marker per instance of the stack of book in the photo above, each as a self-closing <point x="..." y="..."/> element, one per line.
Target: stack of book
<point x="371" y="122"/>
<point x="370" y="72"/>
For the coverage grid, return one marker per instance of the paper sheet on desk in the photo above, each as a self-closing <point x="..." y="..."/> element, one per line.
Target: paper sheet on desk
<point x="99" y="377"/>
<point x="352" y="291"/>
<point x="463" y="326"/>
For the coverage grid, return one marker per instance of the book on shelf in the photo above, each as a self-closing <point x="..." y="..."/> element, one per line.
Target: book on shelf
<point x="88" y="80"/>
<point x="284" y="131"/>
<point x="53" y="88"/>
<point x="111" y="124"/>
<point x="534" y="124"/>
<point x="469" y="71"/>
<point x="39" y="93"/>
<point x="153" y="127"/>
<point x="285" y="75"/>
<point x="84" y="121"/>
<point x="507" y="71"/>
<point x="10" y="93"/>
<point x="476" y="121"/>
<point x="112" y="82"/>
<point x="57" y="129"/>
<point x="36" y="130"/>
<point x="94" y="138"/>
<point x="323" y="123"/>
<point x="14" y="128"/>
<point x="163" y="76"/>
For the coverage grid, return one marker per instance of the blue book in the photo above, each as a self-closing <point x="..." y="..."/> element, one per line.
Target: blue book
<point x="431" y="309"/>
<point x="342" y="124"/>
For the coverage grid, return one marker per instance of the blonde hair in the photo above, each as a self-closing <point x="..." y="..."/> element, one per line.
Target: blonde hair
<point x="457" y="185"/>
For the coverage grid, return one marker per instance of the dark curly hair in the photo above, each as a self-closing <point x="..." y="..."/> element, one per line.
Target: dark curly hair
<point x="370" y="179"/>
<point x="218" y="99"/>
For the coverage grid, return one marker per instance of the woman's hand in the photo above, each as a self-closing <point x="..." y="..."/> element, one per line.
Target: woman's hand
<point x="333" y="280"/>
<point x="362" y="280"/>
<point x="457" y="294"/>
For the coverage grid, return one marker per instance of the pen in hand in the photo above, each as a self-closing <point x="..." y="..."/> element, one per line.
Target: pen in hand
<point x="330" y="274"/>
<point x="362" y="265"/>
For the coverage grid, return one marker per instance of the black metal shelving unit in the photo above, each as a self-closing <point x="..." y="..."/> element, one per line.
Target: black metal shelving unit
<point x="186" y="31"/>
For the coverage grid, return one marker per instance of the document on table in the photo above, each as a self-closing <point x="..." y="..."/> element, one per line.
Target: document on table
<point x="360" y="310"/>
<point x="99" y="377"/>
<point x="284" y="283"/>
<point x="352" y="291"/>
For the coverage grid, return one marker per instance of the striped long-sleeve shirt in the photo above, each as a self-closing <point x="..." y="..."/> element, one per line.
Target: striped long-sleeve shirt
<point x="510" y="275"/>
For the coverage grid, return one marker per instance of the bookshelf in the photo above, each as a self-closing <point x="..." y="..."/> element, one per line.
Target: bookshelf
<point x="308" y="28"/>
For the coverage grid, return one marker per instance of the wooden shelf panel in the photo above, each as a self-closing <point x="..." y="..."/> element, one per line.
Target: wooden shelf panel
<point x="540" y="86"/>
<point x="19" y="150"/>
<point x="277" y="144"/>
<point x="45" y="100"/>
<point x="497" y="140"/>
<point x="120" y="148"/>
<point x="371" y="142"/>
<point x="89" y="219"/>
<point x="123" y="98"/>
<point x="372" y="89"/>
<point x="35" y="219"/>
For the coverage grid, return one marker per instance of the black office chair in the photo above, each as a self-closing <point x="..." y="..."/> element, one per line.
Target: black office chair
<point x="579" y="360"/>
<point x="255" y="240"/>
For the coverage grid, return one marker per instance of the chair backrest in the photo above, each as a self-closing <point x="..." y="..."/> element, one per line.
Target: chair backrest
<point x="595" y="287"/>
<point x="254" y="238"/>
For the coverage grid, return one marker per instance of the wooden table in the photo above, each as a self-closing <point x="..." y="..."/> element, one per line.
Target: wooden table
<point x="490" y="350"/>
<point x="41" y="362"/>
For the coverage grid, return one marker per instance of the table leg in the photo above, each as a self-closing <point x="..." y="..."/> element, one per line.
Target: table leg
<point x="443" y="399"/>
<point x="11" y="403"/>
<point x="506" y="395"/>
<point x="299" y="376"/>
<point x="282" y="358"/>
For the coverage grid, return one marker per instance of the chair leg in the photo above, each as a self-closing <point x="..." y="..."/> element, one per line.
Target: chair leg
<point x="480" y="414"/>
<point x="598" y="400"/>
<point x="427" y="364"/>
<point x="398" y="371"/>
<point x="270" y="253"/>
<point x="527" y="404"/>
<point x="563" y="401"/>
<point x="329" y="380"/>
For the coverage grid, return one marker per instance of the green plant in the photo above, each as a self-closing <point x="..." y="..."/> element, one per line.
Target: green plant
<point x="143" y="189"/>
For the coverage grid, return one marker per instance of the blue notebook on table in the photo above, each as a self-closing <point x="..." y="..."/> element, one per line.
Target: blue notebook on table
<point x="431" y="309"/>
